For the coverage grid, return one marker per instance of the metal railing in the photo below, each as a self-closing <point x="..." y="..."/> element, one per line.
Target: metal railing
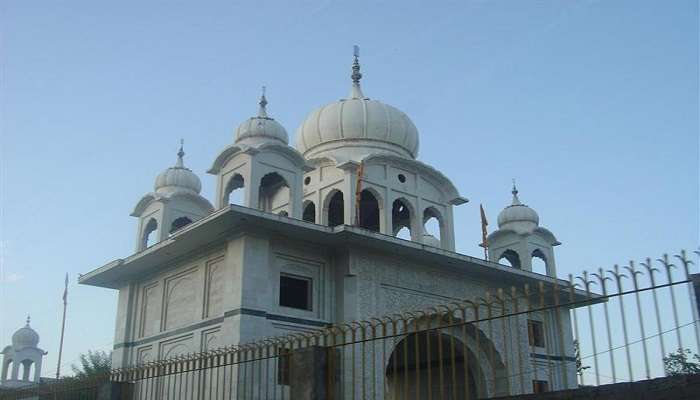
<point x="603" y="327"/>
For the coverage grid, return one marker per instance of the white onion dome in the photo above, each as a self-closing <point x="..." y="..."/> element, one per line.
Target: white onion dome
<point x="518" y="214"/>
<point x="261" y="128"/>
<point x="178" y="178"/>
<point x="356" y="127"/>
<point x="25" y="337"/>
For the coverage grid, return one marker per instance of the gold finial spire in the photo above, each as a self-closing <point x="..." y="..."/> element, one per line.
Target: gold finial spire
<point x="180" y="154"/>
<point x="262" y="111"/>
<point x="516" y="200"/>
<point x="356" y="92"/>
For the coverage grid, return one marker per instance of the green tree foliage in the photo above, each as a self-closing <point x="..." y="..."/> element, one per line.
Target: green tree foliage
<point x="92" y="364"/>
<point x="679" y="363"/>
<point x="579" y="364"/>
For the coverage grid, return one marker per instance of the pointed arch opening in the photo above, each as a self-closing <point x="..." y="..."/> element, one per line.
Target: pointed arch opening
<point x="369" y="211"/>
<point x="442" y="364"/>
<point x="309" y="214"/>
<point x="26" y="370"/>
<point x="7" y="369"/>
<point x="235" y="191"/>
<point x="150" y="234"/>
<point x="539" y="262"/>
<point x="433" y="227"/>
<point x="401" y="219"/>
<point x="335" y="208"/>
<point x="179" y="223"/>
<point x="274" y="193"/>
<point x="510" y="258"/>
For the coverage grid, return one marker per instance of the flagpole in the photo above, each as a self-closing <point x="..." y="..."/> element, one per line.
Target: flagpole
<point x="63" y="328"/>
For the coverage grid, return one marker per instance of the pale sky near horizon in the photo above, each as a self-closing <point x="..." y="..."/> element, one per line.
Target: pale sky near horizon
<point x="591" y="105"/>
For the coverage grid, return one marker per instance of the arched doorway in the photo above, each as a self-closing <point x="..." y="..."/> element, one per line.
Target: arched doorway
<point x="368" y="216"/>
<point x="335" y="209"/>
<point x="401" y="219"/>
<point x="309" y="214"/>
<point x="432" y="365"/>
<point x="235" y="191"/>
<point x="274" y="193"/>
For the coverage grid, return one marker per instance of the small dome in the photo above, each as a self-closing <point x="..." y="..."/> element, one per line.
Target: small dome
<point x="25" y="337"/>
<point x="356" y="127"/>
<point x="518" y="214"/>
<point x="261" y="128"/>
<point x="178" y="177"/>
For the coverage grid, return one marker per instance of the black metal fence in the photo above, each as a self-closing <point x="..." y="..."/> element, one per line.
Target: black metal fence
<point x="608" y="326"/>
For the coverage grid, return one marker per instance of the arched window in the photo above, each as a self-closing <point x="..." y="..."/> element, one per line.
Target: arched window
<point x="401" y="219"/>
<point x="368" y="211"/>
<point x="274" y="193"/>
<point x="150" y="234"/>
<point x="512" y="259"/>
<point x="432" y="227"/>
<point x="235" y="191"/>
<point x="309" y="212"/>
<point x="539" y="262"/>
<point x="336" y="209"/>
<point x="179" y="223"/>
<point x="26" y="370"/>
<point x="7" y="370"/>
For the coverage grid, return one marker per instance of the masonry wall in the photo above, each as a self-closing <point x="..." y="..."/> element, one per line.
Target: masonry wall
<point x="685" y="387"/>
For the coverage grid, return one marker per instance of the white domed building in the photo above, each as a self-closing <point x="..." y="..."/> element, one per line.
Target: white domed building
<point x="333" y="230"/>
<point x="21" y="361"/>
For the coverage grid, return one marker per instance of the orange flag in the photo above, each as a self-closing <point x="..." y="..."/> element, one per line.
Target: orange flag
<point x="358" y="192"/>
<point x="484" y="224"/>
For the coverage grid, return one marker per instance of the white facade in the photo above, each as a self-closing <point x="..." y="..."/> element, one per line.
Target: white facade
<point x="21" y="361"/>
<point x="326" y="212"/>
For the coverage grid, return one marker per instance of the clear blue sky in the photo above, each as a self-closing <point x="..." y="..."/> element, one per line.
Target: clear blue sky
<point x="591" y="105"/>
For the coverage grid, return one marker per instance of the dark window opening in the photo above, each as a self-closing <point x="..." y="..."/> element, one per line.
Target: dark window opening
<point x="539" y="262"/>
<point x="512" y="258"/>
<point x="234" y="193"/>
<point x="179" y="223"/>
<point x="295" y="292"/>
<point x="273" y="193"/>
<point x="369" y="211"/>
<point x="336" y="210"/>
<point x="309" y="212"/>
<point x="400" y="219"/>
<point x="535" y="332"/>
<point x="307" y="180"/>
<point x="150" y="234"/>
<point x="540" y="386"/>
<point x="402" y="178"/>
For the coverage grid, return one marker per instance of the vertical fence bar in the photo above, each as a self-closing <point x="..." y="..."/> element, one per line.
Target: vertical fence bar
<point x="611" y="353"/>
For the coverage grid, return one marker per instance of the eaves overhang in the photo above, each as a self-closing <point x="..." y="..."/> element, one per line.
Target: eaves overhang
<point x="233" y="220"/>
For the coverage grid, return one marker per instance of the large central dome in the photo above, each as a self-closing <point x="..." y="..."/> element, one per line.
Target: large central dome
<point x="353" y="128"/>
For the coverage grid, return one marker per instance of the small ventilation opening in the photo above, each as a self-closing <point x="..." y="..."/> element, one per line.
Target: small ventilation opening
<point x="295" y="292"/>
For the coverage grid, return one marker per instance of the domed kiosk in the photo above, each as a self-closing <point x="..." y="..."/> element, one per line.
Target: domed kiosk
<point x="21" y="363"/>
<point x="519" y="238"/>
<point x="174" y="203"/>
<point x="364" y="156"/>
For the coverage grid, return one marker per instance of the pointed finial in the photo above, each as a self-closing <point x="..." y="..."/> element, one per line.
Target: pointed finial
<point x="180" y="154"/>
<point x="356" y="92"/>
<point x="29" y="319"/>
<point x="516" y="200"/>
<point x="262" y="112"/>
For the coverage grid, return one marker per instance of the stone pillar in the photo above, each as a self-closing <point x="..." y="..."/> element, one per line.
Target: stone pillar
<point x="311" y="374"/>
